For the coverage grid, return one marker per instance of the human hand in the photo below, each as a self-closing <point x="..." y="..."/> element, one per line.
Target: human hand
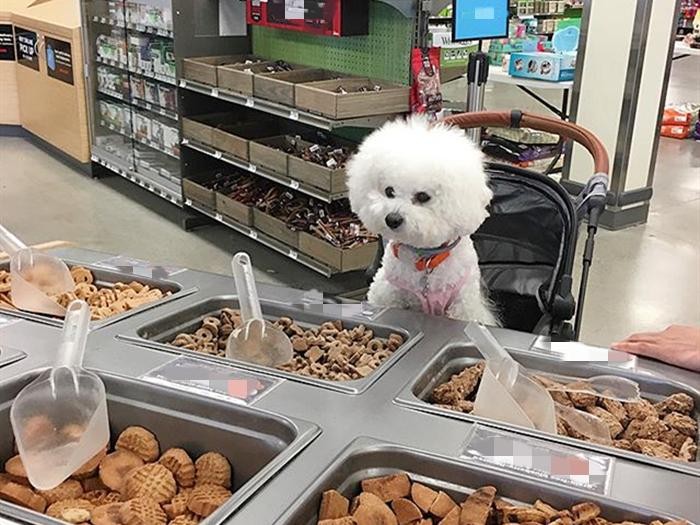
<point x="677" y="345"/>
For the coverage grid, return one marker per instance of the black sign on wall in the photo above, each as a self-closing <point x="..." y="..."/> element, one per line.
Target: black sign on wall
<point x="59" y="61"/>
<point x="7" y="42"/>
<point x="26" y="45"/>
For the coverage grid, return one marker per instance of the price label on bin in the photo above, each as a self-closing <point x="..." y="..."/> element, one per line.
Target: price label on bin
<point x="213" y="380"/>
<point x="533" y="457"/>
<point x="138" y="267"/>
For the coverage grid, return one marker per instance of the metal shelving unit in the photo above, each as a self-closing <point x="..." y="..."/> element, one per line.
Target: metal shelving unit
<point x="262" y="172"/>
<point x="280" y="110"/>
<point x="126" y="43"/>
<point x="266" y="240"/>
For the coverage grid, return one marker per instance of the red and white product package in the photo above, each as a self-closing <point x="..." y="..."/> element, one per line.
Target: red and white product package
<point x="676" y="132"/>
<point x="681" y="114"/>
<point x="426" y="96"/>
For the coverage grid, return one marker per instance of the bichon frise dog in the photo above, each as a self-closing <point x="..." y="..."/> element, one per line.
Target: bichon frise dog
<point x="422" y="187"/>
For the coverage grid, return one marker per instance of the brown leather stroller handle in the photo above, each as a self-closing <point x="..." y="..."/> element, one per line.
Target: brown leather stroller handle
<point x="518" y="119"/>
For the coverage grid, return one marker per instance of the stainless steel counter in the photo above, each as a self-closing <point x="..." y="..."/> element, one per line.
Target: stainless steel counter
<point x="378" y="410"/>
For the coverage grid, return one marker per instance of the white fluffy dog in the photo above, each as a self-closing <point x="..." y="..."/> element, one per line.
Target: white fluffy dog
<point x="422" y="186"/>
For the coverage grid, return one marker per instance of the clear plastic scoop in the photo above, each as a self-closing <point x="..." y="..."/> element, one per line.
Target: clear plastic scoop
<point x="505" y="392"/>
<point x="582" y="423"/>
<point x="60" y="419"/>
<point x="610" y="387"/>
<point x="257" y="341"/>
<point x="35" y="276"/>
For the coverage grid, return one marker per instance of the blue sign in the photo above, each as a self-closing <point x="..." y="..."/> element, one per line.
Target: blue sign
<point x="479" y="19"/>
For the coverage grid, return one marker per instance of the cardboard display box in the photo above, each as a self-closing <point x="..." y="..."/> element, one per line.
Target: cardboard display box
<point x="197" y="130"/>
<point x="344" y="260"/>
<point x="235" y="138"/>
<point x="268" y="153"/>
<point x="194" y="189"/>
<point x="233" y="209"/>
<point x="553" y="67"/>
<point x="239" y="77"/>
<point x="280" y="87"/>
<point x="321" y="97"/>
<point x="204" y="69"/>
<point x="330" y="180"/>
<point x="275" y="228"/>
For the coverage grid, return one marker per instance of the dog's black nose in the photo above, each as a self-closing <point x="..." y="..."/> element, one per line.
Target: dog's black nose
<point x="393" y="220"/>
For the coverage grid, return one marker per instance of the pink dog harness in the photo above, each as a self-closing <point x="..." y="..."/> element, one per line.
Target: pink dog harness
<point x="426" y="260"/>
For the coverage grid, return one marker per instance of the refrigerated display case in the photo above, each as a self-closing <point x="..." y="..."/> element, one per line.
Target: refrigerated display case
<point x="133" y="92"/>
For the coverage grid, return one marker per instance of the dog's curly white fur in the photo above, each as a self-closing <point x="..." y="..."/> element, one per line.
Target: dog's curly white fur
<point x="430" y="179"/>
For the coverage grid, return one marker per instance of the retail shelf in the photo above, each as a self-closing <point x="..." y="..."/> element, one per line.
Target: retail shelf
<point x="136" y="70"/>
<point x="281" y="110"/>
<point x="257" y="170"/>
<point x="159" y="188"/>
<point x="148" y="106"/>
<point x="140" y="140"/>
<point x="134" y="27"/>
<point x="265" y="240"/>
<point x="154" y="108"/>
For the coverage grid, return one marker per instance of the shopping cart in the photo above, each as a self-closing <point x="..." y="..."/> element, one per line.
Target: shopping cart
<point x="527" y="245"/>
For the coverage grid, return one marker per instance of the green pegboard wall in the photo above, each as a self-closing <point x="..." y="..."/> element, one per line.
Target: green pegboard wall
<point x="384" y="54"/>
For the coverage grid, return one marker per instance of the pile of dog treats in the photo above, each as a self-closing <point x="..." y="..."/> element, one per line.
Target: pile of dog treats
<point x="395" y="500"/>
<point x="133" y="485"/>
<point x="665" y="430"/>
<point x="330" y="351"/>
<point x="104" y="301"/>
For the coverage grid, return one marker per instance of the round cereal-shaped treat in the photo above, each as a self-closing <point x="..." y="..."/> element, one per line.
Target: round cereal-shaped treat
<point x="205" y="499"/>
<point x="177" y="461"/>
<point x="213" y="468"/>
<point x="152" y="481"/>
<point x="142" y="511"/>
<point x="139" y="441"/>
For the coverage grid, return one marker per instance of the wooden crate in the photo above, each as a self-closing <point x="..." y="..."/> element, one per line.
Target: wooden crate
<point x="330" y="180"/>
<point x="321" y="97"/>
<point x="233" y="209"/>
<point x="235" y="138"/>
<point x="197" y="130"/>
<point x="279" y="87"/>
<point x="358" y="258"/>
<point x="268" y="153"/>
<point x="239" y="77"/>
<point x="275" y="228"/>
<point x="204" y="69"/>
<point x="194" y="189"/>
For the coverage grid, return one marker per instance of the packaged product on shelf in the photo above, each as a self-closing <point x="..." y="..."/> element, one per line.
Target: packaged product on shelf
<point x="139" y="52"/>
<point x="685" y="114"/>
<point x="142" y="126"/>
<point x="151" y="94"/>
<point x="167" y="97"/>
<point x="676" y="132"/>
<point x="171" y="139"/>
<point x="170" y="62"/>
<point x="115" y="8"/>
<point x="138" y="87"/>
<point x="132" y="12"/>
<point x="158" y="132"/>
<point x="157" y="57"/>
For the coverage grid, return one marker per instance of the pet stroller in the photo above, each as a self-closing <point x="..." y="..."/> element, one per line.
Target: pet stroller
<point x="527" y="245"/>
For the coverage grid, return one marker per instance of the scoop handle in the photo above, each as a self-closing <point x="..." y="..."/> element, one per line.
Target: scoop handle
<point x="9" y="241"/>
<point x="245" y="287"/>
<point x="499" y="361"/>
<point x="74" y="336"/>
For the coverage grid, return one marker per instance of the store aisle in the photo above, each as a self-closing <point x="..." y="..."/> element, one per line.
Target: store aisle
<point x="643" y="278"/>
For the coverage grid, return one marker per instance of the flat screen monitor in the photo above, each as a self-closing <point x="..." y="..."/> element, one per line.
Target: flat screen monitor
<point x="479" y="19"/>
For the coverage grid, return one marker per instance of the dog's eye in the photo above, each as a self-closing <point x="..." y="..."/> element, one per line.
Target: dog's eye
<point x="389" y="191"/>
<point x="421" y="197"/>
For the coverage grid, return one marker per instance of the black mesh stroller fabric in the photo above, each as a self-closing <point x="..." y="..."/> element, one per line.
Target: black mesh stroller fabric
<point x="525" y="245"/>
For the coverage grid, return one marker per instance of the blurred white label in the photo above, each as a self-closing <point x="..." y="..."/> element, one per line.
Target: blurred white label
<point x="138" y="267"/>
<point x="294" y="9"/>
<point x="532" y="457"/>
<point x="581" y="352"/>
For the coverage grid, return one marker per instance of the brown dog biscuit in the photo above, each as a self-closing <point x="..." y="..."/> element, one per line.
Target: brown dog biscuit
<point x="115" y="467"/>
<point x="22" y="495"/>
<point x="178" y="505"/>
<point x="177" y="461"/>
<point x="69" y="489"/>
<point x="142" y="511"/>
<point x="213" y="468"/>
<point x="57" y="509"/>
<point x="107" y="514"/>
<point x="89" y="468"/>
<point x="139" y="441"/>
<point x="152" y="481"/>
<point x="205" y="499"/>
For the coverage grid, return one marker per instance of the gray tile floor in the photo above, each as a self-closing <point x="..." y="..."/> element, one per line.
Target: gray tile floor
<point x="643" y="278"/>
